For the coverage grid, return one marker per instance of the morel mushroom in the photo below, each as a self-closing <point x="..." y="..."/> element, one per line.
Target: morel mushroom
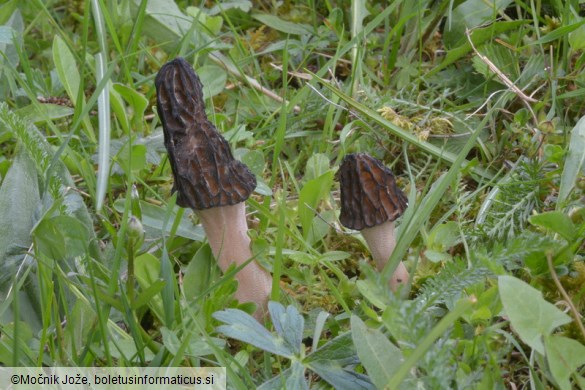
<point x="207" y="177"/>
<point x="371" y="202"/>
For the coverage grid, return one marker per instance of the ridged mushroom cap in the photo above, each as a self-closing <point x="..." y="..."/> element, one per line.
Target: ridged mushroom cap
<point x="205" y="171"/>
<point x="369" y="195"/>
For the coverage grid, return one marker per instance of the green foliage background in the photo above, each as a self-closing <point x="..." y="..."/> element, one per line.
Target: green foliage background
<point x="477" y="106"/>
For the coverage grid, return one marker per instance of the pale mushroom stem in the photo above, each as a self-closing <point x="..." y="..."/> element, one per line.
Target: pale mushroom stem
<point x="381" y="241"/>
<point x="226" y="229"/>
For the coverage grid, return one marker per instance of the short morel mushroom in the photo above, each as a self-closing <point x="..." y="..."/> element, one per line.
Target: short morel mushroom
<point x="207" y="177"/>
<point x="371" y="202"/>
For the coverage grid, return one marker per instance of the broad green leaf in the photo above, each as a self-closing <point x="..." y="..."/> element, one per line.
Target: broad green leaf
<point x="379" y="356"/>
<point x="213" y="79"/>
<point x="317" y="165"/>
<point x="242" y="326"/>
<point x="199" y="272"/>
<point x="574" y="163"/>
<point x="564" y="356"/>
<point x="136" y="100"/>
<point x="289" y="325"/>
<point x="61" y="237"/>
<point x="66" y="67"/>
<point x="372" y="292"/>
<point x="132" y="157"/>
<point x="556" y="221"/>
<point x="164" y="20"/>
<point x="470" y="14"/>
<point x="68" y="73"/>
<point x="444" y="236"/>
<point x="531" y="316"/>
<point x="311" y="194"/>
<point x="10" y="34"/>
<point x="148" y="294"/>
<point x="254" y="159"/>
<point x="281" y="25"/>
<point x="147" y="272"/>
<point x="19" y="198"/>
<point x="212" y="23"/>
<point x="119" y="109"/>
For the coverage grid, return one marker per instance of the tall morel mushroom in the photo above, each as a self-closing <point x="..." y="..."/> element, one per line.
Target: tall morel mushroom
<point x="207" y="177"/>
<point x="371" y="202"/>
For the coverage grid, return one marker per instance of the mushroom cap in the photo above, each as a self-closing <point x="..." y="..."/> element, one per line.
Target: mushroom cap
<point x="205" y="171"/>
<point x="369" y="195"/>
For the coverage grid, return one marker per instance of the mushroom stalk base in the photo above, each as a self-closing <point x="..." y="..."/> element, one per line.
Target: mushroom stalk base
<point x="226" y="229"/>
<point x="381" y="242"/>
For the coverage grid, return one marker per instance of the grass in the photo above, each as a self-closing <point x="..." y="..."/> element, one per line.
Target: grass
<point x="476" y="107"/>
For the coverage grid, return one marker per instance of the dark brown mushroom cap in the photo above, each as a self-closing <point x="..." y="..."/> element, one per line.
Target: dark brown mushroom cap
<point x="369" y="195"/>
<point x="205" y="171"/>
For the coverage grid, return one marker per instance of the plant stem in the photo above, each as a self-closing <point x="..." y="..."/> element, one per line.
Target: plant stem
<point x="566" y="296"/>
<point x="130" y="279"/>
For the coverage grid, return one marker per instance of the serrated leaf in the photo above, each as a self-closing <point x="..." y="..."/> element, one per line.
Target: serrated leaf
<point x="289" y="325"/>
<point x="531" y="316"/>
<point x="575" y="161"/>
<point x="564" y="356"/>
<point x="242" y="326"/>
<point x="378" y="355"/>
